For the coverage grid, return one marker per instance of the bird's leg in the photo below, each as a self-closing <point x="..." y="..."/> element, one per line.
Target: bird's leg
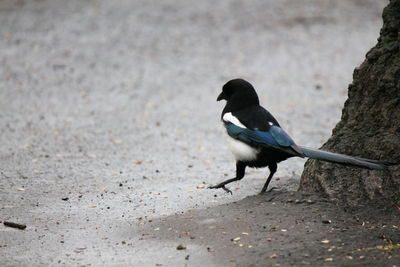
<point x="272" y="170"/>
<point x="240" y="167"/>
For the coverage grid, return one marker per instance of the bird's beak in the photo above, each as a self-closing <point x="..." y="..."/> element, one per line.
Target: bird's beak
<point x="221" y="96"/>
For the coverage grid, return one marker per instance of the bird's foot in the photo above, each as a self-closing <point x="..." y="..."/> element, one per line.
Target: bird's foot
<point x="220" y="186"/>
<point x="264" y="191"/>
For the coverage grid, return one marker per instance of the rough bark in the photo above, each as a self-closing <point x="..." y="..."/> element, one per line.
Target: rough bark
<point x="369" y="127"/>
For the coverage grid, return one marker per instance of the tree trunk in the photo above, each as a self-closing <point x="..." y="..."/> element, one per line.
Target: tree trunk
<point x="369" y="127"/>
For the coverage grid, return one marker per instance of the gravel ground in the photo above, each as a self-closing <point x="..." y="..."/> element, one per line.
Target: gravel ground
<point x="108" y="119"/>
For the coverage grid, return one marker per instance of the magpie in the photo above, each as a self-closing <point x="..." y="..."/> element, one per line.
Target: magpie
<point x="257" y="140"/>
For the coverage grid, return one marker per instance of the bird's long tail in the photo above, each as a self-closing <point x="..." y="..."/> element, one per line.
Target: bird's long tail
<point x="344" y="159"/>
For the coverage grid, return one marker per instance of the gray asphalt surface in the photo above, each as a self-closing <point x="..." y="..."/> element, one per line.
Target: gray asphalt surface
<point x="111" y="106"/>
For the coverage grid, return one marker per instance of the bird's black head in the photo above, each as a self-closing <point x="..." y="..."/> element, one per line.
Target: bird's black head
<point x="239" y="94"/>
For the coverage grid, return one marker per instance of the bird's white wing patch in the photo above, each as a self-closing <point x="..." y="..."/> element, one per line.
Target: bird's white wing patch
<point x="228" y="117"/>
<point x="240" y="150"/>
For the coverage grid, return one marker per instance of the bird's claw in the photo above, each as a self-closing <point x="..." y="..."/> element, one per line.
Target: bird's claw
<point x="221" y="186"/>
<point x="273" y="188"/>
<point x="227" y="190"/>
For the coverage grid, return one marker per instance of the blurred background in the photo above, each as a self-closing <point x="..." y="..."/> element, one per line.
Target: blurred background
<point x="112" y="104"/>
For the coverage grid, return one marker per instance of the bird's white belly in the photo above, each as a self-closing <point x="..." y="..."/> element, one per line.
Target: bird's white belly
<point x="242" y="151"/>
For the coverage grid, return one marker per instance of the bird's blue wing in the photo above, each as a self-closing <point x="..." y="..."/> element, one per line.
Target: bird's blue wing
<point x="275" y="137"/>
<point x="280" y="136"/>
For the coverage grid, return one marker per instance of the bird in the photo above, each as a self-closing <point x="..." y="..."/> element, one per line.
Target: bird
<point x="257" y="140"/>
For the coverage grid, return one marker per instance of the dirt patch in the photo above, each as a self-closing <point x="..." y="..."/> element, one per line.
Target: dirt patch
<point x="282" y="228"/>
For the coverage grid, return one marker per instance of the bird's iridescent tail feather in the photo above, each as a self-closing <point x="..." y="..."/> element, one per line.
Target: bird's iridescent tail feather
<point x="344" y="159"/>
